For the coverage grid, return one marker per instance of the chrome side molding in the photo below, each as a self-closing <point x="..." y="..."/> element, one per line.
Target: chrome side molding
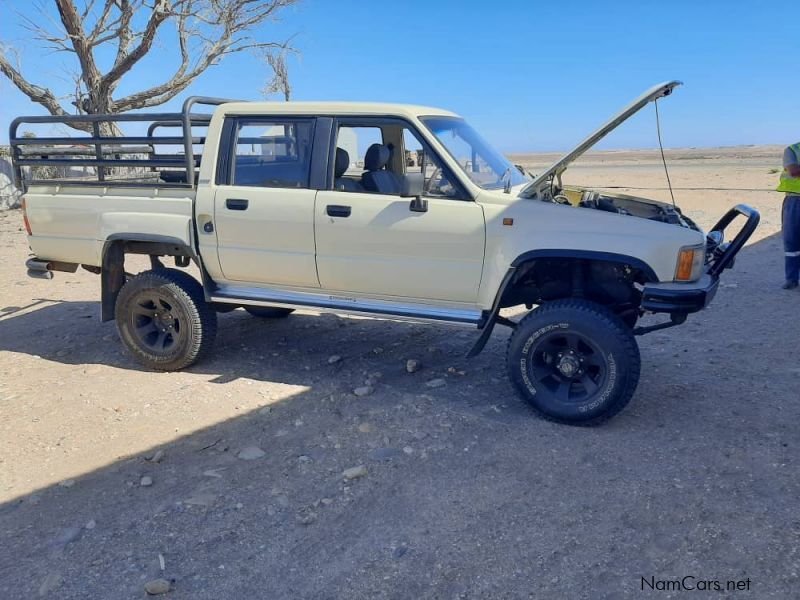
<point x="229" y="294"/>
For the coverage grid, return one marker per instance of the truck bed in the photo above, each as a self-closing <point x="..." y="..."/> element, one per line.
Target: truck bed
<point x="71" y="224"/>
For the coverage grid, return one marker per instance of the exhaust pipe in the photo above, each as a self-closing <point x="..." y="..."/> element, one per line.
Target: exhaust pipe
<point x="38" y="269"/>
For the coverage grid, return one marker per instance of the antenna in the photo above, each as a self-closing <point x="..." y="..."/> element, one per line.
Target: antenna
<point x="663" y="159"/>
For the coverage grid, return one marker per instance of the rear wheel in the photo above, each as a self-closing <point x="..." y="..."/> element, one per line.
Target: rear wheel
<point x="164" y="320"/>
<point x="574" y="362"/>
<point x="269" y="312"/>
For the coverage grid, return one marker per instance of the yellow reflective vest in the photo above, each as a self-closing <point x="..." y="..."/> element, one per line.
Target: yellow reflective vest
<point x="789" y="184"/>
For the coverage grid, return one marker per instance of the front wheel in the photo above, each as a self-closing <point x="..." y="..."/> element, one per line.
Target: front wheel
<point x="574" y="362"/>
<point x="164" y="320"/>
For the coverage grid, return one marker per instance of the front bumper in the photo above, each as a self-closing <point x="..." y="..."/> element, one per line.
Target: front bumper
<point x="685" y="298"/>
<point x="680" y="298"/>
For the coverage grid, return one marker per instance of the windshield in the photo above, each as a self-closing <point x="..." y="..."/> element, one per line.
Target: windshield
<point x="483" y="164"/>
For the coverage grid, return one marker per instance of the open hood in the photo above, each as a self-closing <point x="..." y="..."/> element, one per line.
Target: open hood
<point x="558" y="167"/>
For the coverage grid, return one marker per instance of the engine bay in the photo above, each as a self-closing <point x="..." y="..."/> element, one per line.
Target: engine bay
<point x="622" y="204"/>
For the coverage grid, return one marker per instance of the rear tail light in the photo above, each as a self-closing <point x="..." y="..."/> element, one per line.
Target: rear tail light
<point x="25" y="218"/>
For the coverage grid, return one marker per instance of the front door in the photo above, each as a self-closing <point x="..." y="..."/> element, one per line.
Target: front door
<point x="368" y="240"/>
<point x="264" y="214"/>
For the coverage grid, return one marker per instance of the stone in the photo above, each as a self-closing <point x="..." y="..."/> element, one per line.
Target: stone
<point x="67" y="483"/>
<point x="201" y="499"/>
<point x="364" y="390"/>
<point x="412" y="365"/>
<point x="146" y="481"/>
<point x="251" y="453"/>
<point x="91" y="524"/>
<point x="332" y="360"/>
<point x="366" y="428"/>
<point x="157" y="586"/>
<point x="384" y="453"/>
<point x="436" y="383"/>
<point x="51" y="581"/>
<point x="157" y="457"/>
<point x="408" y="450"/>
<point x="354" y="472"/>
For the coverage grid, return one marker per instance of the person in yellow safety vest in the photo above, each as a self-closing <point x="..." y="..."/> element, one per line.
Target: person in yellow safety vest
<point x="790" y="183"/>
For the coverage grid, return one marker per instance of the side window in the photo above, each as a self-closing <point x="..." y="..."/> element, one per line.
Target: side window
<point x="351" y="148"/>
<point x="273" y="153"/>
<point x="417" y="160"/>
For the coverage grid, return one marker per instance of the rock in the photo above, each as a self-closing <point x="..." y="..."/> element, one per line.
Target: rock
<point x="305" y="517"/>
<point x="157" y="457"/>
<point x="354" y="472"/>
<point x="51" y="581"/>
<point x="327" y="501"/>
<point x="332" y="360"/>
<point x="435" y="383"/>
<point x="146" y="481"/>
<point x="408" y="450"/>
<point x="67" y="483"/>
<point x="364" y="390"/>
<point x="384" y="453"/>
<point x="67" y="536"/>
<point x="399" y="552"/>
<point x="157" y="586"/>
<point x="91" y="524"/>
<point x="201" y="499"/>
<point x="366" y="428"/>
<point x="251" y="453"/>
<point x="412" y="365"/>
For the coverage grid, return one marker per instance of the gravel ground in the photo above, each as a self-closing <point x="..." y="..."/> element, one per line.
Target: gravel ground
<point x="260" y="474"/>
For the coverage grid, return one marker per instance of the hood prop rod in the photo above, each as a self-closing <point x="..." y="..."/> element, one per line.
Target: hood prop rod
<point x="663" y="158"/>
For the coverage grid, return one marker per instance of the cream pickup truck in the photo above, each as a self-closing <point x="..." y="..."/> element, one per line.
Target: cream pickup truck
<point x="387" y="210"/>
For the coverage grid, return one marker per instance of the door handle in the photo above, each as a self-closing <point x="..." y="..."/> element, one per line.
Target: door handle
<point x="335" y="210"/>
<point x="236" y="204"/>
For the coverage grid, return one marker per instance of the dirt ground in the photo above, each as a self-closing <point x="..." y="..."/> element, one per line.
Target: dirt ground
<point x="112" y="476"/>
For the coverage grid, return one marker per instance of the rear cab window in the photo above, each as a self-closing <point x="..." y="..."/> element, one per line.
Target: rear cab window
<point x="272" y="153"/>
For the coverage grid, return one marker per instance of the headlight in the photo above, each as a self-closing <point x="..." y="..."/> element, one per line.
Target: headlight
<point x="690" y="263"/>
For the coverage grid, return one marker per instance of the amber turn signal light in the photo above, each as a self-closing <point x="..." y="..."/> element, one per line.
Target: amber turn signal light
<point x="690" y="263"/>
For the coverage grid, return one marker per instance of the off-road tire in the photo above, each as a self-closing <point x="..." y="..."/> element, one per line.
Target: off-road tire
<point x="164" y="320"/>
<point x="269" y="312"/>
<point x="588" y="342"/>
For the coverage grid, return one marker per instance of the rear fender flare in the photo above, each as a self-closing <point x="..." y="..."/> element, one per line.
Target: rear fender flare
<point x="116" y="246"/>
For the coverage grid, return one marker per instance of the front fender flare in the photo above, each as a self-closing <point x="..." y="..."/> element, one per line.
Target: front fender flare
<point x="493" y="315"/>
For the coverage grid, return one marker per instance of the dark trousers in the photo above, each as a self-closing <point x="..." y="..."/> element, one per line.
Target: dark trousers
<point x="791" y="236"/>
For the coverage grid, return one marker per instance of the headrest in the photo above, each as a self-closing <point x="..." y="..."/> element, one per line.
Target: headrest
<point x="376" y="157"/>
<point x="342" y="162"/>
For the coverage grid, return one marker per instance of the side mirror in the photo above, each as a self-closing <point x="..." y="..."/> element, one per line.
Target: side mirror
<point x="412" y="187"/>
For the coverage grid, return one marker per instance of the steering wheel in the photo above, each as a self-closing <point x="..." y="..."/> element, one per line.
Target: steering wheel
<point x="429" y="184"/>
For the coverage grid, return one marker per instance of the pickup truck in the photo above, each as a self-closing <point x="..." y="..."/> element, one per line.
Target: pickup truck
<point x="379" y="209"/>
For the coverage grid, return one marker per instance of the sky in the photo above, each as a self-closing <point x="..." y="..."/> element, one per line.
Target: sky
<point x="530" y="76"/>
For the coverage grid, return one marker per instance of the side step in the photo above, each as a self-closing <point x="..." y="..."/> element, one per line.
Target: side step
<point x="345" y="304"/>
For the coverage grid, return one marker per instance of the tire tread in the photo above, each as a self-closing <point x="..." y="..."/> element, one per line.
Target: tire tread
<point x="612" y="321"/>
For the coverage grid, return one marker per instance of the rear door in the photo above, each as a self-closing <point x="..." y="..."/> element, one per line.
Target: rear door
<point x="264" y="203"/>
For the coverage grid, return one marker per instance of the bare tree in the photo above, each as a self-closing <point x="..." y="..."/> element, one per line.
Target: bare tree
<point x="279" y="83"/>
<point x="202" y="32"/>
